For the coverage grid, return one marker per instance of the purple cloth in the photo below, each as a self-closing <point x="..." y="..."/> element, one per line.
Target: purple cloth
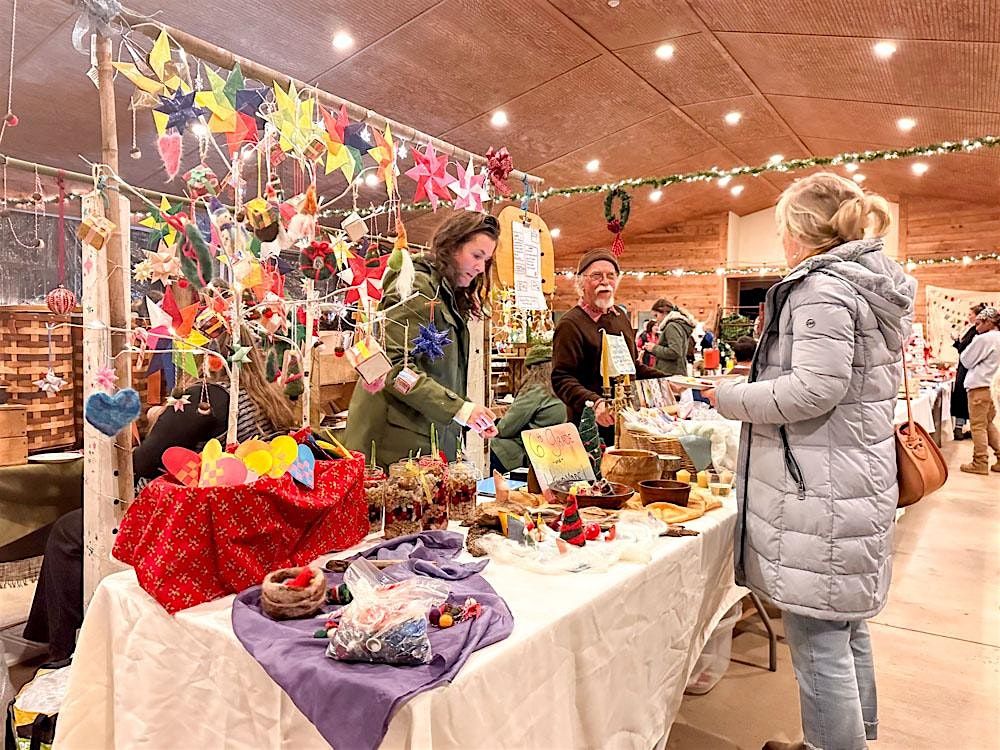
<point x="429" y="552"/>
<point x="351" y="703"/>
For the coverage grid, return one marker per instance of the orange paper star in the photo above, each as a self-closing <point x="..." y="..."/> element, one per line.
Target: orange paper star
<point x="384" y="152"/>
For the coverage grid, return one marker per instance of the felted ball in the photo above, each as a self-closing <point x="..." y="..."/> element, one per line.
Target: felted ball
<point x="446" y="621"/>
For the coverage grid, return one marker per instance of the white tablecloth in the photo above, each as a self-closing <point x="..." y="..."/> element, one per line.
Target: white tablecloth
<point x="595" y="660"/>
<point x="923" y="410"/>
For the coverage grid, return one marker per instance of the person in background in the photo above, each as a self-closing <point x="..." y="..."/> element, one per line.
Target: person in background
<point x="817" y="486"/>
<point x="576" y="345"/>
<point x="981" y="359"/>
<point x="959" y="399"/>
<point x="536" y="405"/>
<point x="454" y="274"/>
<point x="708" y="339"/>
<point x="57" y="607"/>
<point x="743" y="351"/>
<point x="648" y="335"/>
<point x="674" y="345"/>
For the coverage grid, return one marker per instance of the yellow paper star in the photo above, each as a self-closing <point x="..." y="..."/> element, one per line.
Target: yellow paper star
<point x="293" y="117"/>
<point x="156" y="223"/>
<point x="223" y="119"/>
<point x="384" y="152"/>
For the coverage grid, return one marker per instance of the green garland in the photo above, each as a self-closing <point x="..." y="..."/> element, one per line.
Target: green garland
<point x="792" y="165"/>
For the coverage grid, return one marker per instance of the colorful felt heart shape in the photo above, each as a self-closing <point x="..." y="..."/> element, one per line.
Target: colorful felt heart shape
<point x="284" y="450"/>
<point x="112" y="414"/>
<point x="303" y="469"/>
<point x="183" y="464"/>
<point x="220" y="469"/>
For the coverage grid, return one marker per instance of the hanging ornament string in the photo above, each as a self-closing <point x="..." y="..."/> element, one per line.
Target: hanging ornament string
<point x="61" y="230"/>
<point x="10" y="119"/>
<point x="616" y="222"/>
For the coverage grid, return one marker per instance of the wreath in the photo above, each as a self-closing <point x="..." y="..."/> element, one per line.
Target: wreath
<point x="616" y="222"/>
<point x="318" y="261"/>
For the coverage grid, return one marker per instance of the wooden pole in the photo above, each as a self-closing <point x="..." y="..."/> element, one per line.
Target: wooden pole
<point x="212" y="53"/>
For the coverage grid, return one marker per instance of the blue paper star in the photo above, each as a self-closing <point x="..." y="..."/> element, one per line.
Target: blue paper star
<point x="180" y="110"/>
<point x="430" y="343"/>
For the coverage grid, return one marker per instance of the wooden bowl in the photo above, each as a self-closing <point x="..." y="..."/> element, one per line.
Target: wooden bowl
<point x="620" y="495"/>
<point x="630" y="466"/>
<point x="665" y="491"/>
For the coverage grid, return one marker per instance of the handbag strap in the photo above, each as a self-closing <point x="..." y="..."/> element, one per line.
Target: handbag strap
<point x="906" y="386"/>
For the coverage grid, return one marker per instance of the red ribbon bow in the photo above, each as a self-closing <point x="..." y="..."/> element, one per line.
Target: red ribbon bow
<point x="499" y="165"/>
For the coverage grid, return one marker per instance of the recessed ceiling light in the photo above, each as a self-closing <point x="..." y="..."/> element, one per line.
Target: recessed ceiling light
<point x="665" y="51"/>
<point x="656" y="195"/>
<point x="724" y="180"/>
<point x="735" y="190"/>
<point x="906" y="124"/>
<point x="371" y="180"/>
<point x="733" y="118"/>
<point x="614" y="3"/>
<point x="851" y="167"/>
<point x="885" y="50"/>
<point x="859" y="178"/>
<point x="919" y="168"/>
<point x="776" y="158"/>
<point x="499" y="119"/>
<point x="592" y="166"/>
<point x="555" y="232"/>
<point x="342" y="40"/>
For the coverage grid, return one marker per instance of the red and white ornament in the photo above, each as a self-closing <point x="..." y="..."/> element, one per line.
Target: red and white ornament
<point x="60" y="300"/>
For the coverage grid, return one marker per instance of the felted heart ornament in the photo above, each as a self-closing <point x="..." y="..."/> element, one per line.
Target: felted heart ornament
<point x="183" y="464"/>
<point x="220" y="469"/>
<point x="112" y="414"/>
<point x="304" y="467"/>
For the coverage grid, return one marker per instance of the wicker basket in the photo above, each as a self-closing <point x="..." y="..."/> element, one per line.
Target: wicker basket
<point x="659" y="444"/>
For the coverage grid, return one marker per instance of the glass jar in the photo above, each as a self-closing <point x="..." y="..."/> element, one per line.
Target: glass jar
<point x="460" y="490"/>
<point x="435" y="515"/>
<point x="403" y="499"/>
<point x="375" y="481"/>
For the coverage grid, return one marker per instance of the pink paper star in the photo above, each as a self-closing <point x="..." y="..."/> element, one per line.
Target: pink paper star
<point x="469" y="189"/>
<point x="106" y="378"/>
<point x="431" y="175"/>
<point x="178" y="403"/>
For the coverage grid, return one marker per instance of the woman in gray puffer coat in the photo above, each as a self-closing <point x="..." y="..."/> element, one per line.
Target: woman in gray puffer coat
<point x="817" y="475"/>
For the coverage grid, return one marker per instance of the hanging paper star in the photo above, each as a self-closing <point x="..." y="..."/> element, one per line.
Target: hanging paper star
<point x="50" y="384"/>
<point x="105" y="378"/>
<point x="342" y="253"/>
<point x="241" y="354"/>
<point x="178" y="404"/>
<point x="180" y="109"/>
<point x="338" y="154"/>
<point x="431" y="175"/>
<point x="216" y="101"/>
<point x="364" y="277"/>
<point x="469" y="189"/>
<point x="162" y="229"/>
<point x="164" y="265"/>
<point x="293" y="118"/>
<point x="249" y="101"/>
<point x="430" y="342"/>
<point x="244" y="132"/>
<point x="159" y="324"/>
<point x="384" y="152"/>
<point x="161" y="65"/>
<point x="143" y="271"/>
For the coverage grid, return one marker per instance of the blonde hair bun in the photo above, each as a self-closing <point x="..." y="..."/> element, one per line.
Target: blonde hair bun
<point x="824" y="210"/>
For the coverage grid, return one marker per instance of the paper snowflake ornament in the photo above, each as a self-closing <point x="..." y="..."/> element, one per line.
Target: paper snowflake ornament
<point x="105" y="378"/>
<point x="430" y="172"/>
<point x="430" y="342"/>
<point x="178" y="404"/>
<point x="364" y="277"/>
<point x="51" y="384"/>
<point x="469" y="189"/>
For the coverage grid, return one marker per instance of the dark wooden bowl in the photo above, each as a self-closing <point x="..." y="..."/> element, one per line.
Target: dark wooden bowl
<point x="621" y="494"/>
<point x="664" y="491"/>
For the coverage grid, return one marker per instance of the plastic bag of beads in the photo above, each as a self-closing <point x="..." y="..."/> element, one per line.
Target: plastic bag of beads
<point x="386" y="622"/>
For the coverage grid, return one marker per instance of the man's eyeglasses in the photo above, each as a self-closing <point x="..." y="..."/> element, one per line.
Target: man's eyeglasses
<point x="599" y="277"/>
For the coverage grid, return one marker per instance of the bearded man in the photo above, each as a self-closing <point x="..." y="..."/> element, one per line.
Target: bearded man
<point x="576" y="346"/>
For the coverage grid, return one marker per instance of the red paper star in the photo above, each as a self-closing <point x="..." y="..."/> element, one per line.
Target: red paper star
<point x="364" y="276"/>
<point x="245" y="132"/>
<point x="431" y="176"/>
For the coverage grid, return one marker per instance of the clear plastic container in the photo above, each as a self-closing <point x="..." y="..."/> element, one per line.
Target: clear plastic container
<point x="460" y="490"/>
<point x="375" y="481"/>
<point x="435" y="510"/>
<point x="714" y="659"/>
<point x="404" y="499"/>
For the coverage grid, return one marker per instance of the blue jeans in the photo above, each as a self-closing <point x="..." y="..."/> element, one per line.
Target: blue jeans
<point x="836" y="675"/>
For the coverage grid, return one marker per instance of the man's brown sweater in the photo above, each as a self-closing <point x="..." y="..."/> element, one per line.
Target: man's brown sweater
<point x="576" y="356"/>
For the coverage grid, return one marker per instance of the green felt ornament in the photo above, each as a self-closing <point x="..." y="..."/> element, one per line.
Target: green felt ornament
<point x="591" y="438"/>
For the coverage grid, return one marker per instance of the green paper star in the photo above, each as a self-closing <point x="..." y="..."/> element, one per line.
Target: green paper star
<point x="240" y="355"/>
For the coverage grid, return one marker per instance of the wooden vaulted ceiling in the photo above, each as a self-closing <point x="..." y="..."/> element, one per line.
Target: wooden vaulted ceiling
<point x="580" y="80"/>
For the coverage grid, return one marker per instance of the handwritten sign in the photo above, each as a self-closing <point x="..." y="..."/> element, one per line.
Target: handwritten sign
<point x="621" y="362"/>
<point x="557" y="454"/>
<point x="527" y="267"/>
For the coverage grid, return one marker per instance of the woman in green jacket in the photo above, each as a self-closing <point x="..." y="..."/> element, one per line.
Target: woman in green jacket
<point x="536" y="405"/>
<point x="454" y="275"/>
<point x="675" y="342"/>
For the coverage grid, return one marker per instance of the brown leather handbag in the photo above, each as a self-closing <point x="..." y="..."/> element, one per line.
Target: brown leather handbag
<point x="920" y="465"/>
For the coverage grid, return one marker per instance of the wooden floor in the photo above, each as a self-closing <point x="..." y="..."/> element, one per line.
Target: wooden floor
<point x="937" y="643"/>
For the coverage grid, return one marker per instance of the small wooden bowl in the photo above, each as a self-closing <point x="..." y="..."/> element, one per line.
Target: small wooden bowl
<point x="620" y="495"/>
<point x="665" y="491"/>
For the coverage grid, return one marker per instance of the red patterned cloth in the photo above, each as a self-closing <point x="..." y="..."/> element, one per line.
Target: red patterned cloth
<point x="192" y="545"/>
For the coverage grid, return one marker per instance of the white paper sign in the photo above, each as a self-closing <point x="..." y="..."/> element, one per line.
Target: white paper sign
<point x="620" y="355"/>
<point x="527" y="267"/>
